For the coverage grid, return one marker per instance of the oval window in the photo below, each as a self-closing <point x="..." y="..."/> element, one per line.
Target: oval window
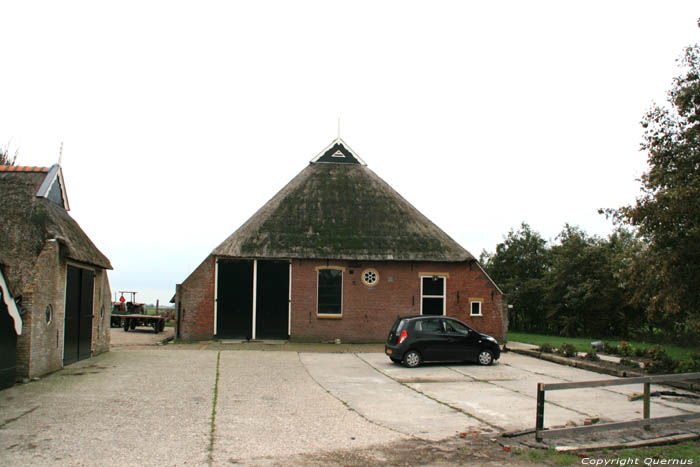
<point x="49" y="313"/>
<point x="370" y="277"/>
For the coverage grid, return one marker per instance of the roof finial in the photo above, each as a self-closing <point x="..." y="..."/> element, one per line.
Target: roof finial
<point x="60" y="154"/>
<point x="338" y="126"/>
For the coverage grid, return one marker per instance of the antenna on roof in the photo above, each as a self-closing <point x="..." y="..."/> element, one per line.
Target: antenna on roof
<point x="338" y="127"/>
<point x="60" y="154"/>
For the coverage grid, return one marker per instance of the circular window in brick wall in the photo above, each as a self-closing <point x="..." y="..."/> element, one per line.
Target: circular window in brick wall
<point x="370" y="277"/>
<point x="49" y="313"/>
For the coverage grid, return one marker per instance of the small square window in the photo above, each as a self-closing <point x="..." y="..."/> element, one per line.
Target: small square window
<point x="475" y="307"/>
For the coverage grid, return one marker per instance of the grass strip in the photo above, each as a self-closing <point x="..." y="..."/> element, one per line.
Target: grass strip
<point x="582" y="344"/>
<point x="212" y="430"/>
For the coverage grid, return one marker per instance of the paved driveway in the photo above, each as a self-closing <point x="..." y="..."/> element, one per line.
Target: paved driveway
<point x="154" y="407"/>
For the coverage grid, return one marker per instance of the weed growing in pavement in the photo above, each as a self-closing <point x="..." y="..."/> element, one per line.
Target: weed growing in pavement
<point x="213" y="411"/>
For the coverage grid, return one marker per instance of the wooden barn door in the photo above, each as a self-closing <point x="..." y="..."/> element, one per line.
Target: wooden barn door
<point x="77" y="340"/>
<point x="234" y="304"/>
<point x="272" y="300"/>
<point x="8" y="346"/>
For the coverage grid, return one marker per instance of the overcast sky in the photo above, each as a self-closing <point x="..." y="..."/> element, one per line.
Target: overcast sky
<point x="180" y="119"/>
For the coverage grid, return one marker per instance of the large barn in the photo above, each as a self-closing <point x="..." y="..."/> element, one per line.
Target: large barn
<point x="336" y="254"/>
<point x="55" y="293"/>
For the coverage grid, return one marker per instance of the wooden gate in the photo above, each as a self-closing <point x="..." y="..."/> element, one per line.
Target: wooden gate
<point x="77" y="339"/>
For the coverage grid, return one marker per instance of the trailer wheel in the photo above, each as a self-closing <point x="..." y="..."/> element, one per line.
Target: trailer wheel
<point x="132" y="324"/>
<point x="155" y="327"/>
<point x="161" y="325"/>
<point x="126" y="324"/>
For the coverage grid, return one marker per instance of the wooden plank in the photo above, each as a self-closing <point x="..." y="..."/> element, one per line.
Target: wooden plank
<point x="620" y="382"/>
<point x="555" y="433"/>
<point x="633" y="444"/>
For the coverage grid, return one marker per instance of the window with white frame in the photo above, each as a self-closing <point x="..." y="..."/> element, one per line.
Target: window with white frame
<point x="433" y="295"/>
<point x="475" y="306"/>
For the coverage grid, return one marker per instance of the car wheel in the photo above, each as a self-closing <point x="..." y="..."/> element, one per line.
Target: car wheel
<point x="412" y="359"/>
<point x="485" y="357"/>
<point x="395" y="360"/>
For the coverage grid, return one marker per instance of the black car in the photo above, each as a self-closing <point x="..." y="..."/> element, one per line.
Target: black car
<point x="417" y="339"/>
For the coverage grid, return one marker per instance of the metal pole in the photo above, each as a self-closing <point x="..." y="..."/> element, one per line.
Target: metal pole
<point x="647" y="403"/>
<point x="539" y="422"/>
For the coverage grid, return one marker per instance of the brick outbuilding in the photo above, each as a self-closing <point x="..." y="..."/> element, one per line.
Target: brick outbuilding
<point x="54" y="290"/>
<point x="336" y="254"/>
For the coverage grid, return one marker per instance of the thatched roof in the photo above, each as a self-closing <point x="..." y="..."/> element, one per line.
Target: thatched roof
<point x="340" y="209"/>
<point x="32" y="211"/>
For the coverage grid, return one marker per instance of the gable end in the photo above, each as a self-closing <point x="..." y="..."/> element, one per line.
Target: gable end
<point x="338" y="153"/>
<point x="53" y="188"/>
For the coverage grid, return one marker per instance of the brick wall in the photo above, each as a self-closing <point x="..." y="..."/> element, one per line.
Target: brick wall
<point x="369" y="312"/>
<point x="102" y="307"/>
<point x="195" y="297"/>
<point x="40" y="347"/>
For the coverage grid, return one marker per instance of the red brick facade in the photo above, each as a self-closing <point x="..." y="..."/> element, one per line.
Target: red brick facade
<point x="367" y="311"/>
<point x="195" y="300"/>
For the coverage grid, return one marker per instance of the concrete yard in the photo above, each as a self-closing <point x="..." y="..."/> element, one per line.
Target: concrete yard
<point x="154" y="406"/>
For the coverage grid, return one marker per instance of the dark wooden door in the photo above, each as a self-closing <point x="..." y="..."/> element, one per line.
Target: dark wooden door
<point x="272" y="300"/>
<point x="86" y="314"/>
<point x="77" y="338"/>
<point x="8" y="346"/>
<point x="234" y="306"/>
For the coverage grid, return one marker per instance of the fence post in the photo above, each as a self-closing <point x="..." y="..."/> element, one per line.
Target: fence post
<point x="647" y="403"/>
<point x="539" y="422"/>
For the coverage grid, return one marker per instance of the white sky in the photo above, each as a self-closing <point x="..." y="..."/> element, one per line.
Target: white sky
<point x="180" y="119"/>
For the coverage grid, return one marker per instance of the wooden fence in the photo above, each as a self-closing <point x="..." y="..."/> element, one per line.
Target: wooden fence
<point x="540" y="430"/>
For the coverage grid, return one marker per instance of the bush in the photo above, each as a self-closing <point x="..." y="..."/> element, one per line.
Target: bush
<point x="628" y="362"/>
<point x="690" y="365"/>
<point x="657" y="353"/>
<point x="611" y="349"/>
<point x="592" y="356"/>
<point x="660" y="361"/>
<point x="546" y="348"/>
<point x="625" y="349"/>
<point x="567" y="350"/>
<point x="641" y="352"/>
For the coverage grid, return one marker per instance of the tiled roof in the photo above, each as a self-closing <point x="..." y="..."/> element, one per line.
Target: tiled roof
<point x="22" y="168"/>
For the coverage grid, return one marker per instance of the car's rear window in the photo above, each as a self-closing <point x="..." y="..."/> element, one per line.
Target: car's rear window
<point x="399" y="326"/>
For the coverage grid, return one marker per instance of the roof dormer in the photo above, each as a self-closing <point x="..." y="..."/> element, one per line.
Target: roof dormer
<point x="338" y="153"/>
<point x="54" y="188"/>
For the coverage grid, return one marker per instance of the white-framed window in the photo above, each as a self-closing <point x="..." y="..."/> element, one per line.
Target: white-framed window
<point x="432" y="292"/>
<point x="329" y="292"/>
<point x="475" y="307"/>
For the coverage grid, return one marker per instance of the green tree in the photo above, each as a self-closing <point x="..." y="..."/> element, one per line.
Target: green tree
<point x="5" y="157"/>
<point x="586" y="293"/>
<point x="667" y="214"/>
<point x="518" y="265"/>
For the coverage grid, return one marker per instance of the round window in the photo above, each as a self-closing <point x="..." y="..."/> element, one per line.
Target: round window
<point x="49" y="313"/>
<point x="370" y="277"/>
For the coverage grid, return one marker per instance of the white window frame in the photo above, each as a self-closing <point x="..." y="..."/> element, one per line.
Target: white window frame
<point x="444" y="277"/>
<point x="480" y="301"/>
